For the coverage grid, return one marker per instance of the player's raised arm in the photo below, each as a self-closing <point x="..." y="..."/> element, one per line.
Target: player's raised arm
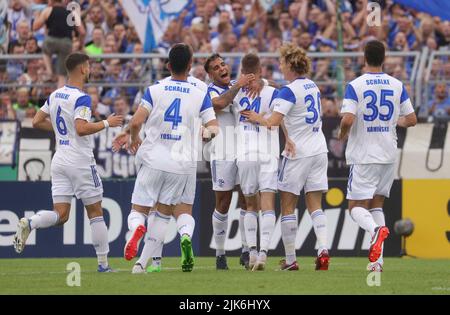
<point x="219" y="102"/>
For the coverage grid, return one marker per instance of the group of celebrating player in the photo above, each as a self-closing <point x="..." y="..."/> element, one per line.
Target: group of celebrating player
<point x="240" y="121"/>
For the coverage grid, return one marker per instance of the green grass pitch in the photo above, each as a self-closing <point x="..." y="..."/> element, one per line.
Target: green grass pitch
<point x="346" y="276"/>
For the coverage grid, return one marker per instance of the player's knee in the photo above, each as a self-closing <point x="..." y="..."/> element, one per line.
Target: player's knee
<point x="63" y="217"/>
<point x="223" y="200"/>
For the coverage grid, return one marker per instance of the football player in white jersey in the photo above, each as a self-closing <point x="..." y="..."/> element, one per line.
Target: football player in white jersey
<point x="138" y="216"/>
<point x="374" y="104"/>
<point x="257" y="161"/>
<point x="223" y="158"/>
<point x="168" y="155"/>
<point x="67" y="112"/>
<point x="298" y="104"/>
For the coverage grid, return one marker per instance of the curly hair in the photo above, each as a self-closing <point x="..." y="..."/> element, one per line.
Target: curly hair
<point x="295" y="58"/>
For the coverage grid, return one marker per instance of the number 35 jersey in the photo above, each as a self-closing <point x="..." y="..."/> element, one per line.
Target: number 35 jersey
<point x="172" y="132"/>
<point x="64" y="106"/>
<point x="299" y="102"/>
<point x="377" y="100"/>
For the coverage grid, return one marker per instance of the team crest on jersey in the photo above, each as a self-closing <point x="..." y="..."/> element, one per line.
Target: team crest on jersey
<point x="221" y="182"/>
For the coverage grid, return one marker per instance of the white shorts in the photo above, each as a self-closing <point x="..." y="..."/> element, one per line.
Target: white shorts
<point x="224" y="175"/>
<point x="367" y="180"/>
<point x="81" y="181"/>
<point x="153" y="186"/>
<point x="257" y="176"/>
<point x="309" y="173"/>
<point x="188" y="195"/>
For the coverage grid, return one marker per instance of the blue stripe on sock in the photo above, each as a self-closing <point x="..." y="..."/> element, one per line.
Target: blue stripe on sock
<point x="223" y="219"/>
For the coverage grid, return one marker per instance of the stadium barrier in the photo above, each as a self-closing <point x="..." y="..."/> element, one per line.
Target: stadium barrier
<point x="73" y="239"/>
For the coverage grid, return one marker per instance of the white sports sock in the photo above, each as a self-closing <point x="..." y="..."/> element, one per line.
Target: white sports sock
<point x="220" y="231"/>
<point x="364" y="219"/>
<point x="251" y="228"/>
<point x="267" y="226"/>
<point x="155" y="237"/>
<point x="157" y="253"/>
<point x="288" y="234"/>
<point x="378" y="217"/>
<point x="319" y="220"/>
<point x="44" y="219"/>
<point x="185" y="225"/>
<point x="135" y="219"/>
<point x="242" y="230"/>
<point x="100" y="240"/>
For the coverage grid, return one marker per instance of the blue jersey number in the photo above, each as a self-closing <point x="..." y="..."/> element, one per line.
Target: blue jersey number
<point x="172" y="114"/>
<point x="372" y="105"/>
<point x="254" y="106"/>
<point x="311" y="108"/>
<point x="60" y="123"/>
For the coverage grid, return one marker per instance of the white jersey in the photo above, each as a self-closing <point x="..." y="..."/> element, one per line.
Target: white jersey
<point x="64" y="106"/>
<point x="192" y="80"/>
<point x="177" y="110"/>
<point x="224" y="144"/>
<point x="299" y="102"/>
<point x="377" y="100"/>
<point x="254" y="139"/>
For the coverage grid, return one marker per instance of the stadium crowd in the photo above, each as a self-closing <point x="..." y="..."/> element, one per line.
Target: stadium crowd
<point x="208" y="26"/>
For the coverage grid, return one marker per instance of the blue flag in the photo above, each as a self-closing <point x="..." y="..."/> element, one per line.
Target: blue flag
<point x="439" y="8"/>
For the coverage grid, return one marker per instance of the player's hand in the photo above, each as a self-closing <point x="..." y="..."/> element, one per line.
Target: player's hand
<point x="252" y="116"/>
<point x="254" y="88"/>
<point x="121" y="142"/>
<point x="289" y="148"/>
<point x="135" y="144"/>
<point x="245" y="79"/>
<point x="115" y="120"/>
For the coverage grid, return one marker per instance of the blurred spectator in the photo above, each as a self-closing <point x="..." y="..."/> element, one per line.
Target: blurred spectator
<point x="439" y="107"/>
<point x="59" y="36"/>
<point x="121" y="107"/>
<point x="31" y="46"/>
<point x="15" y="67"/>
<point x="96" y="46"/>
<point x="329" y="108"/>
<point x="6" y="109"/>
<point x="23" y="107"/>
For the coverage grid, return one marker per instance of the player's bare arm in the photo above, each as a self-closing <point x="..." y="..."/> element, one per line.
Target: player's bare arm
<point x="407" y="121"/>
<point x="273" y="121"/>
<point x="85" y="128"/>
<point x="135" y="127"/>
<point x="227" y="97"/>
<point x="346" y="124"/>
<point x="289" y="146"/>
<point x="41" y="121"/>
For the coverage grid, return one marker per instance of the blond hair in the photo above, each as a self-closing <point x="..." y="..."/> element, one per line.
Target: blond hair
<point x="295" y="58"/>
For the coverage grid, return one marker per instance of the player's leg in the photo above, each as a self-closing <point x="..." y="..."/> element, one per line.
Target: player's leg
<point x="185" y="226"/>
<point x="289" y="229"/>
<point x="268" y="220"/>
<point x="223" y="180"/>
<point x="99" y="231"/>
<point x="362" y="185"/>
<point x="136" y="225"/>
<point x="316" y="184"/>
<point x="245" y="252"/>
<point x="376" y="210"/>
<point x="41" y="220"/>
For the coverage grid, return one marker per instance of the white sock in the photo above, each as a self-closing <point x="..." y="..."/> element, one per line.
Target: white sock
<point x="267" y="227"/>
<point x="155" y="237"/>
<point x="251" y="228"/>
<point x="100" y="240"/>
<point x="135" y="219"/>
<point x="378" y="217"/>
<point x="185" y="225"/>
<point x="364" y="219"/>
<point x="157" y="253"/>
<point x="242" y="230"/>
<point x="319" y="220"/>
<point x="220" y="230"/>
<point x="44" y="219"/>
<point x="288" y="234"/>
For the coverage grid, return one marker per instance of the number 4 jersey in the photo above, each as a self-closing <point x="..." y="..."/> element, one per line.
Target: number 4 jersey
<point x="377" y="100"/>
<point x="172" y="136"/>
<point x="64" y="106"/>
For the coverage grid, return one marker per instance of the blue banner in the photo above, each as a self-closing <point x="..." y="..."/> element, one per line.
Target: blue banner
<point x="439" y="8"/>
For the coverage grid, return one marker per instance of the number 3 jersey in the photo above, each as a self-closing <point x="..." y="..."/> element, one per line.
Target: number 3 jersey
<point x="172" y="131"/>
<point x="299" y="102"/>
<point x="377" y="100"/>
<point x="64" y="106"/>
<point x="255" y="140"/>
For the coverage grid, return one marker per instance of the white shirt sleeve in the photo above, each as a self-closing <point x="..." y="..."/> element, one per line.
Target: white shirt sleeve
<point x="350" y="102"/>
<point x="83" y="108"/>
<point x="284" y="101"/>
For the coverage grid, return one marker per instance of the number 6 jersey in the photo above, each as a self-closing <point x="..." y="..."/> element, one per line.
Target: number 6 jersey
<point x="64" y="106"/>
<point x="377" y="100"/>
